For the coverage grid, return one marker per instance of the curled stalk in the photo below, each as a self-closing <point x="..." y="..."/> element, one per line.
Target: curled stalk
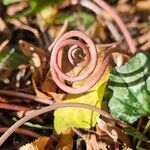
<point x="90" y="59"/>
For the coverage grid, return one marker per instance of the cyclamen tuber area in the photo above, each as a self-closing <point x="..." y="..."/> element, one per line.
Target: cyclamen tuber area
<point x="74" y="75"/>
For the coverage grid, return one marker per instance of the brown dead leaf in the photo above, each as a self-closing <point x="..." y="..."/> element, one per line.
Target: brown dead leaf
<point x="143" y="5"/>
<point x="53" y="31"/>
<point x="66" y="140"/>
<point x="93" y="144"/>
<point x="91" y="31"/>
<point x="144" y="39"/>
<point x="104" y="127"/>
<point x="3" y="100"/>
<point x="124" y="8"/>
<point x="39" y="144"/>
<point x="13" y="9"/>
<point x="2" y="25"/>
<point x="38" y="93"/>
<point x="5" y="74"/>
<point x="42" y="142"/>
<point x="121" y="135"/>
<point x="28" y="49"/>
<point x="49" y="85"/>
<point x="100" y="30"/>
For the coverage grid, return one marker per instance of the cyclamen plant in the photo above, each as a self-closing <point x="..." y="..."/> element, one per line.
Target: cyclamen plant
<point x="90" y="50"/>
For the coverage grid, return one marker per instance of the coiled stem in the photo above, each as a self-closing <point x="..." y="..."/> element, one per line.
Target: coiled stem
<point x="90" y="60"/>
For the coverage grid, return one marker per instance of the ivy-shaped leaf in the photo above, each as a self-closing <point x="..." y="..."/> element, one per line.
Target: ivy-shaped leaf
<point x="11" y="58"/>
<point x="130" y="86"/>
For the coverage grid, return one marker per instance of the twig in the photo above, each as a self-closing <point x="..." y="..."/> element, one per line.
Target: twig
<point x="106" y="45"/>
<point x="13" y="107"/>
<point x="99" y="12"/>
<point x="116" y="145"/>
<point x="25" y="96"/>
<point x="78" y="133"/>
<point x="38" y="50"/>
<point x="113" y="30"/>
<point x="42" y="29"/>
<point x="21" y="131"/>
<point x="60" y="33"/>
<point x="53" y="107"/>
<point x="120" y="23"/>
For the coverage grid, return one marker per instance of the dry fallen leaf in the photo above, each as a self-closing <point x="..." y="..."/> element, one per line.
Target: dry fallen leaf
<point x="104" y="127"/>
<point x="3" y="100"/>
<point x="39" y="93"/>
<point x="49" y="85"/>
<point x="143" y="5"/>
<point x="66" y="140"/>
<point x="144" y="39"/>
<point x="92" y="143"/>
<point x="39" y="144"/>
<point x="121" y="135"/>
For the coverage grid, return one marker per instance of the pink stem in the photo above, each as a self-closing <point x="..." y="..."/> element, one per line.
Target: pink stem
<point x="25" y="96"/>
<point x="57" y="74"/>
<point x="117" y="19"/>
<point x="21" y="131"/>
<point x="116" y="145"/>
<point x="13" y="107"/>
<point x="43" y="110"/>
<point x="91" y="53"/>
<point x="120" y="23"/>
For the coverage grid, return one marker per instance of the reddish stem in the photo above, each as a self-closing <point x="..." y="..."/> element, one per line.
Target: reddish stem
<point x="116" y="145"/>
<point x="13" y="107"/>
<point x="21" y="131"/>
<point x="91" y="59"/>
<point x="43" y="110"/>
<point x="25" y="96"/>
<point x="90" y="51"/>
<point x="120" y="23"/>
<point x="117" y="19"/>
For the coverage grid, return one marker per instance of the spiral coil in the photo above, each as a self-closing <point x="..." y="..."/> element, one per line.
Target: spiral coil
<point x="89" y="50"/>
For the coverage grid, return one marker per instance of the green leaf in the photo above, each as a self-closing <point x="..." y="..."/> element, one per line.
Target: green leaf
<point x="79" y="117"/>
<point x="130" y="85"/>
<point x="11" y="58"/>
<point x="38" y="5"/>
<point x="135" y="133"/>
<point x="8" y="2"/>
<point x="86" y="18"/>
